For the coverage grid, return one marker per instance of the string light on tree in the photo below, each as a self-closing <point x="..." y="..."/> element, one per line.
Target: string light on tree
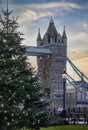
<point x="8" y="123"/>
<point x="2" y="105"/>
<point x="0" y="96"/>
<point x="12" y="120"/>
<point x="9" y="99"/>
<point x="12" y="114"/>
<point x="5" y="111"/>
<point x="9" y="90"/>
<point x="5" y="118"/>
<point x="26" y="114"/>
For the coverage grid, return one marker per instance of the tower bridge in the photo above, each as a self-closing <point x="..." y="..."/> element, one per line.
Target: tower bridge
<point x="40" y="51"/>
<point x="51" y="52"/>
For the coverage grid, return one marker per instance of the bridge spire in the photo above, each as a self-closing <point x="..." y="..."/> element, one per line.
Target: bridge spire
<point x="64" y="33"/>
<point x="39" y="35"/>
<point x="51" y="32"/>
<point x="51" y="21"/>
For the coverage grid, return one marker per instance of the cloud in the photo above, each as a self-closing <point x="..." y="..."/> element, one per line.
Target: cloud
<point x="85" y="25"/>
<point x="78" y="37"/>
<point x="30" y="15"/>
<point x="82" y="64"/>
<point x="52" y="5"/>
<point x="33" y="12"/>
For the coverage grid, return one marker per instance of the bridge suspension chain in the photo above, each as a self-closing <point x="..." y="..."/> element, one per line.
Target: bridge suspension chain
<point x="82" y="85"/>
<point x="78" y="72"/>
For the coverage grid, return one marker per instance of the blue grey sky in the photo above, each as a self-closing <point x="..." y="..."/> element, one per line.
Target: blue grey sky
<point x="34" y="14"/>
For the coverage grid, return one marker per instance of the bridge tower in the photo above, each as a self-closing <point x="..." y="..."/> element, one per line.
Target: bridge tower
<point x="50" y="67"/>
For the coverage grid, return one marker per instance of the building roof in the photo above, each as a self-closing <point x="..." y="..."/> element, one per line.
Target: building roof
<point x="52" y="32"/>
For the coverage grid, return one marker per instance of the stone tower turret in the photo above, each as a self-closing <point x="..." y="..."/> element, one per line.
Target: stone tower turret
<point x="64" y="37"/>
<point x="50" y="67"/>
<point x="39" y="42"/>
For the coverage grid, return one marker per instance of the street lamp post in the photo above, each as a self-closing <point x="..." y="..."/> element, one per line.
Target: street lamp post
<point x="64" y="95"/>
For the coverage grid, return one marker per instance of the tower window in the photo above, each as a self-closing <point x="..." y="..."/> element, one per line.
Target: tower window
<point x="49" y="39"/>
<point x="55" y="39"/>
<point x="58" y="40"/>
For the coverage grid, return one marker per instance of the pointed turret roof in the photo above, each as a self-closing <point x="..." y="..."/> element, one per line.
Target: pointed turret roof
<point x="51" y="20"/>
<point x="64" y="33"/>
<point x="51" y="29"/>
<point x="39" y="35"/>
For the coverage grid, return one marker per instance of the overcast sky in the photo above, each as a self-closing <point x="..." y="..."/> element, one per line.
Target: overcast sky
<point x="34" y="14"/>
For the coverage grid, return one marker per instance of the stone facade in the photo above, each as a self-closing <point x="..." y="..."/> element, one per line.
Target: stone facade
<point x="50" y="67"/>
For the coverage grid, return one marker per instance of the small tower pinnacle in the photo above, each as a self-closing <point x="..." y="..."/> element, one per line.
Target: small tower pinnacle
<point x="51" y="21"/>
<point x="39" y="35"/>
<point x="64" y="28"/>
<point x="64" y="33"/>
<point x="39" y="30"/>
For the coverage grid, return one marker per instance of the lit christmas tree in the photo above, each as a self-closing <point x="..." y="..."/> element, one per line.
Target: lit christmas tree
<point x="20" y="98"/>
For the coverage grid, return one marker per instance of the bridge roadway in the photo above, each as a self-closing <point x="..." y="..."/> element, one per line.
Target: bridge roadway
<point x="36" y="51"/>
